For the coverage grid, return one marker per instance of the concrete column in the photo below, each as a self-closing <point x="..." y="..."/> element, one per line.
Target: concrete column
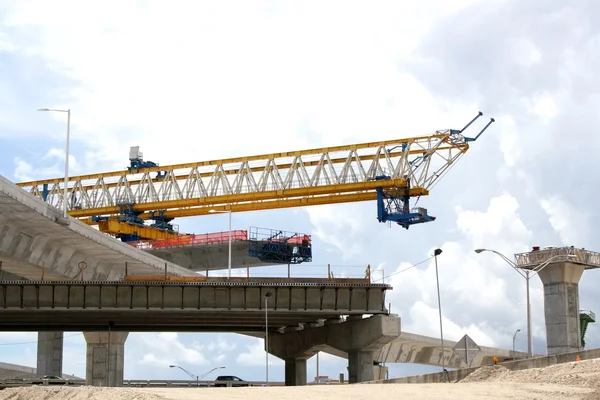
<point x="360" y="366"/>
<point x="295" y="372"/>
<point x="105" y="358"/>
<point x="379" y="372"/>
<point x="358" y="338"/>
<point x="561" y="306"/>
<point x="49" y="353"/>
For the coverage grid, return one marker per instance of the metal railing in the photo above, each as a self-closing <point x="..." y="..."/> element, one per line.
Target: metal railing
<point x="191" y="240"/>
<point x="582" y="256"/>
<point x="140" y="383"/>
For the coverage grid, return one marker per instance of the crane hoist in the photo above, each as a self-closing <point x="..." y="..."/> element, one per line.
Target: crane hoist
<point x="390" y="172"/>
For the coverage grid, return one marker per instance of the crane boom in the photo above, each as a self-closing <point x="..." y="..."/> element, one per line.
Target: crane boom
<point x="326" y="175"/>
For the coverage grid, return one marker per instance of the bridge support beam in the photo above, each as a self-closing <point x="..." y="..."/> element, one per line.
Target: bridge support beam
<point x="357" y="337"/>
<point x="295" y="372"/>
<point x="105" y="358"/>
<point x="561" y="306"/>
<point x="49" y="354"/>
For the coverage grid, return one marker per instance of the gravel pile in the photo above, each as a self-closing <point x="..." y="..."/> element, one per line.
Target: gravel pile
<point x="579" y="373"/>
<point x="74" y="393"/>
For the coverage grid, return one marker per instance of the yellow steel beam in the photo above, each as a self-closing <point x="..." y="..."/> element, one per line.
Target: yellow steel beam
<point x="228" y="171"/>
<point x="115" y="227"/>
<point x="249" y="197"/>
<point x="274" y="204"/>
<point x="442" y="136"/>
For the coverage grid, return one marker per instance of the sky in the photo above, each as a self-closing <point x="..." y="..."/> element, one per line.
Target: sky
<point x="193" y="81"/>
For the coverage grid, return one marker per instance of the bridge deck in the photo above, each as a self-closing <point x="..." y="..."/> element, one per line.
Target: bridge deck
<point x="176" y="306"/>
<point x="36" y="239"/>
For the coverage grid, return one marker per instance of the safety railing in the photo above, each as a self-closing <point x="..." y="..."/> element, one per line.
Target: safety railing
<point x="537" y="256"/>
<point x="191" y="240"/>
<point x="320" y="273"/>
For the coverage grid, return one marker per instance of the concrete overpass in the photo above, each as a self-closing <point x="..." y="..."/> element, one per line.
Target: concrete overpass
<point x="112" y="309"/>
<point x="37" y="242"/>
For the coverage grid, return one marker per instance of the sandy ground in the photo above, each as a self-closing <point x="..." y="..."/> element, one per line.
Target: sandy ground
<point x="580" y="380"/>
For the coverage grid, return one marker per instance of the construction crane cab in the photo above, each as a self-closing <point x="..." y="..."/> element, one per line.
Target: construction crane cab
<point x="136" y="161"/>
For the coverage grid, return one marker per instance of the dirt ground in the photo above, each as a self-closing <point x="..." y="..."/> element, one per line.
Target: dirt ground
<point x="578" y="380"/>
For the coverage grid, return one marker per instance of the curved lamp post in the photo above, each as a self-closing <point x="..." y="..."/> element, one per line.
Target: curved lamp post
<point x="527" y="275"/>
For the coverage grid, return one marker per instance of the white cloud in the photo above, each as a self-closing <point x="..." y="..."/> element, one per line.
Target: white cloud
<point x="571" y="225"/>
<point x="200" y="81"/>
<point x="221" y="345"/>
<point x="255" y="356"/>
<point x="165" y="348"/>
<point x="500" y="225"/>
<point x="23" y="170"/>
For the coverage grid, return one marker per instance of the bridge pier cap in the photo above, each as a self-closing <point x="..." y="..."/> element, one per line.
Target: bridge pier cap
<point x="359" y="338"/>
<point x="560" y="269"/>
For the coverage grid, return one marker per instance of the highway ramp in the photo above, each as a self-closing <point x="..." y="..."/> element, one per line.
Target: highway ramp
<point x="37" y="242"/>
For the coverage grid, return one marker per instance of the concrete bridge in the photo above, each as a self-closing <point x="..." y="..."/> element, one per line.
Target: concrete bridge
<point x="38" y="244"/>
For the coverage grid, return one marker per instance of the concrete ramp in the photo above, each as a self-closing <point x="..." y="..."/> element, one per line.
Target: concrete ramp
<point x="426" y="350"/>
<point x="420" y="349"/>
<point x="37" y="241"/>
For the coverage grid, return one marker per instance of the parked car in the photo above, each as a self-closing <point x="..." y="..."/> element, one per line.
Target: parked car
<point x="230" y="380"/>
<point x="53" y="380"/>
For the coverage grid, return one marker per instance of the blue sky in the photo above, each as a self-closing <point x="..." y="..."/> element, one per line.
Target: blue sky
<point x="202" y="80"/>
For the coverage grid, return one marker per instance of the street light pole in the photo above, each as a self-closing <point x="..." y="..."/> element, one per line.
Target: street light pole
<point x="529" y="328"/>
<point x="229" y="255"/>
<point x="68" y="111"/>
<point x="214" y="369"/>
<point x="187" y="372"/>
<point x="527" y="275"/>
<point x="267" y="295"/>
<point x="229" y="258"/>
<point x="436" y="253"/>
<point x="514" y="337"/>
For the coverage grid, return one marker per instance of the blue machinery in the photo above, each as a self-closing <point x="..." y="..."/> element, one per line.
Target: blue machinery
<point x="279" y="247"/>
<point x="393" y="204"/>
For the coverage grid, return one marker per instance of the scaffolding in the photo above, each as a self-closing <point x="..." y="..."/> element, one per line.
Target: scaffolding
<point x="279" y="247"/>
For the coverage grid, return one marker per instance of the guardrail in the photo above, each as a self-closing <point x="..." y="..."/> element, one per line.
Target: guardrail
<point x="15" y="382"/>
<point x="141" y="383"/>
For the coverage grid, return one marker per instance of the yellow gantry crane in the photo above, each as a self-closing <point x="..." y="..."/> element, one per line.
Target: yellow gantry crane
<point x="391" y="172"/>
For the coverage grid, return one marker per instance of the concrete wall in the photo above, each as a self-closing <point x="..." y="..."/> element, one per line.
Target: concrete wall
<point x="460" y="374"/>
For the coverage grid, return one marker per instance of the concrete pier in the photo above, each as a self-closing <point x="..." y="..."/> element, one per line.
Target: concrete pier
<point x="561" y="306"/>
<point x="49" y="353"/>
<point x="560" y="269"/>
<point x="358" y="338"/>
<point x="105" y="358"/>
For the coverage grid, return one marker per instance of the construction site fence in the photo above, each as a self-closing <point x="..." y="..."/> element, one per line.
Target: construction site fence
<point x="301" y="271"/>
<point x="191" y="240"/>
<point x="209" y="238"/>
